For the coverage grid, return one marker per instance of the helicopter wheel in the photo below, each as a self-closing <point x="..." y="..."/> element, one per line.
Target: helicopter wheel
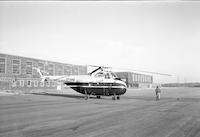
<point x="118" y="97"/>
<point x="86" y="97"/>
<point x="98" y="97"/>
<point x="114" y="96"/>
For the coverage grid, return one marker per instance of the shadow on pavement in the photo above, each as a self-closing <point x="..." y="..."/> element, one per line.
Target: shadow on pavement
<point x="62" y="95"/>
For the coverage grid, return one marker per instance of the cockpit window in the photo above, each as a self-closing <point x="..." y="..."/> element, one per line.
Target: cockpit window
<point x="106" y="75"/>
<point x="100" y="74"/>
<point x="113" y="75"/>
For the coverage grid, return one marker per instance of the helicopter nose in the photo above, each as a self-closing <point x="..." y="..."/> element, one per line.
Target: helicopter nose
<point x="124" y="90"/>
<point x="124" y="84"/>
<point x="124" y="87"/>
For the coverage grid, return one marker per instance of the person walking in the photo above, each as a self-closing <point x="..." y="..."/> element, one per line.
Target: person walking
<point x="158" y="91"/>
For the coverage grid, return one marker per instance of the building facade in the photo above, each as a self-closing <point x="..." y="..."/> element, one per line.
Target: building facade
<point x="17" y="73"/>
<point x="136" y="80"/>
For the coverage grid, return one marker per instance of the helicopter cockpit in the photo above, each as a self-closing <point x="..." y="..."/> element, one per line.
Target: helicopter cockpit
<point x="106" y="75"/>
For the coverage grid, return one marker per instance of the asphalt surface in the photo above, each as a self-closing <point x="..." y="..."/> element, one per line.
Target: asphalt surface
<point x="136" y="114"/>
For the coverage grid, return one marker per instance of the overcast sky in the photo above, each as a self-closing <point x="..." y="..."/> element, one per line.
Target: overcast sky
<point x="153" y="36"/>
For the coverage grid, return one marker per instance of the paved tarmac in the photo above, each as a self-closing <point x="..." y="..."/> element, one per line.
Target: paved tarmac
<point x="136" y="114"/>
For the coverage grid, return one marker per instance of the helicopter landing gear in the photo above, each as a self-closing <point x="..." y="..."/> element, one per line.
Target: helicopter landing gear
<point x="86" y="95"/>
<point x="114" y="98"/>
<point x="118" y="97"/>
<point x="98" y="97"/>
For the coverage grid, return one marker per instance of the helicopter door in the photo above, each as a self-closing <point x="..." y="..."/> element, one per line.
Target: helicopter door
<point x="107" y="89"/>
<point x="110" y="88"/>
<point x="108" y="84"/>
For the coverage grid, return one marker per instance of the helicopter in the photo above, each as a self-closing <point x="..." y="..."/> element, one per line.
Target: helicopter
<point x="99" y="82"/>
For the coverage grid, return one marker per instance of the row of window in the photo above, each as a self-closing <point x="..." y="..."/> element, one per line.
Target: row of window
<point x="2" y="65"/>
<point x="49" y="68"/>
<point x="34" y="83"/>
<point x="141" y="78"/>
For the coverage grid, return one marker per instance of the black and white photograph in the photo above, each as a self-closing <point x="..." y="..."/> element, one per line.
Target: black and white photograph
<point x="101" y="68"/>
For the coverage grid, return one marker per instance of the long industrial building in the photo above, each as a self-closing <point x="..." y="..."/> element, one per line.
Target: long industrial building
<point x="17" y="73"/>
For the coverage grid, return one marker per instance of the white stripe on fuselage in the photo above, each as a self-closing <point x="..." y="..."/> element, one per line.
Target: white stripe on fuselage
<point x="96" y="86"/>
<point x="89" y="79"/>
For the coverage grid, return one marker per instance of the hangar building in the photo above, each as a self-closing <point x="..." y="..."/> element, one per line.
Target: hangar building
<point x="17" y="73"/>
<point x="136" y="80"/>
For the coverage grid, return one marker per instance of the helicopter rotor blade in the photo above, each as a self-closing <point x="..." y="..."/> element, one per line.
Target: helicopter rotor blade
<point x="143" y="71"/>
<point x="150" y="72"/>
<point x="132" y="70"/>
<point x="103" y="67"/>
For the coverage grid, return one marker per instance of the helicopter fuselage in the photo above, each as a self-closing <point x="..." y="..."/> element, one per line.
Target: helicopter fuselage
<point x="96" y="86"/>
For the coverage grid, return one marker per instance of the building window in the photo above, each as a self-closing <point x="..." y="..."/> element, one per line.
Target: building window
<point x="82" y="70"/>
<point x="50" y="69"/>
<point x="2" y="65"/>
<point x="59" y="70"/>
<point x="14" y="83"/>
<point x="136" y="76"/>
<point x="41" y="84"/>
<point x="16" y="66"/>
<point x="142" y="78"/>
<point x="146" y="79"/>
<point x="67" y="70"/>
<point x="149" y="79"/>
<point x="35" y="83"/>
<point x="29" y="66"/>
<point x="41" y="66"/>
<point x="53" y="83"/>
<point x="75" y="70"/>
<point x="48" y="84"/>
<point x="21" y="83"/>
<point x="29" y="83"/>
<point x="139" y="78"/>
<point x="133" y="76"/>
